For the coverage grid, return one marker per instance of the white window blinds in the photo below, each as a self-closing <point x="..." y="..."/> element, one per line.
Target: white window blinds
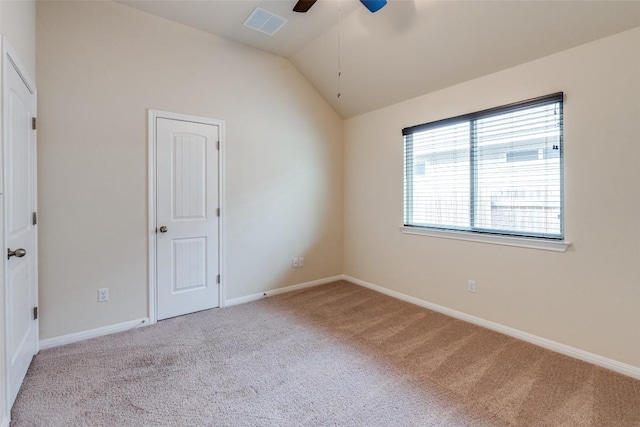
<point x="498" y="171"/>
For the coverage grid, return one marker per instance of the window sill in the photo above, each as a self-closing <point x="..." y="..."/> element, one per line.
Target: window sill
<point x="522" y="242"/>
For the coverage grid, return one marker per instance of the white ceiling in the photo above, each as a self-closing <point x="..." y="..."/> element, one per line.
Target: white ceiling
<point x="225" y="18"/>
<point x="410" y="47"/>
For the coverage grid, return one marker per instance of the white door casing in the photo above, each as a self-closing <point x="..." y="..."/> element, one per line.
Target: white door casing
<point x="186" y="229"/>
<point x="19" y="152"/>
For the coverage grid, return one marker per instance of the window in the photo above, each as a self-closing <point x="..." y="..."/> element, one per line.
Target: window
<point x="498" y="171"/>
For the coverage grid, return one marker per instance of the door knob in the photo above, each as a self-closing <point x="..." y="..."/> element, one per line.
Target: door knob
<point x="163" y="229"/>
<point x="18" y="253"/>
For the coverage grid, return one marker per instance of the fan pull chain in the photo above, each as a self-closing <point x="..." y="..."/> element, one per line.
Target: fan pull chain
<point x="339" y="48"/>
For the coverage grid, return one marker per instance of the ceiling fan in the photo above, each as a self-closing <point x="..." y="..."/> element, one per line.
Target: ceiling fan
<point x="373" y="5"/>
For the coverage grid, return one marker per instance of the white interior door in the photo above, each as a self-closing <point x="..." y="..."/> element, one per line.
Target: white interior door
<point x="20" y="230"/>
<point x="187" y="256"/>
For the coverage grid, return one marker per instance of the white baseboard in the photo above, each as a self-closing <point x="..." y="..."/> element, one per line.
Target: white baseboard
<point x="92" y="333"/>
<point x="260" y="295"/>
<point x="106" y="330"/>
<point x="576" y="353"/>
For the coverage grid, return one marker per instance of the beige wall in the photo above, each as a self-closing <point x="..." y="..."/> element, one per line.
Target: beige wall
<point x="101" y="65"/>
<point x="587" y="297"/>
<point x="18" y="25"/>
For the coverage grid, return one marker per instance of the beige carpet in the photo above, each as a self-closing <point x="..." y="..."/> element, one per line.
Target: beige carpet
<point x="336" y="354"/>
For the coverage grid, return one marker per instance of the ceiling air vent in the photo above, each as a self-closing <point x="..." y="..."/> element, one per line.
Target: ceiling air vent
<point x="264" y="21"/>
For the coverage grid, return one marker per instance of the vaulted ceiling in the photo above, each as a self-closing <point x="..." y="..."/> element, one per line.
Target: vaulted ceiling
<point x="408" y="48"/>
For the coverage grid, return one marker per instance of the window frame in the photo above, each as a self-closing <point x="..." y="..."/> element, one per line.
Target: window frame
<point x="473" y="233"/>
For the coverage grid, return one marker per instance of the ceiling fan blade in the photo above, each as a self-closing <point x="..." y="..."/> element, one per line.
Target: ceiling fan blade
<point x="303" y="5"/>
<point x="374" y="5"/>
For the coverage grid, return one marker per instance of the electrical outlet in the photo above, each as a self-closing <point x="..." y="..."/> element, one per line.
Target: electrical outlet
<point x="471" y="285"/>
<point x="103" y="294"/>
<point x="295" y="262"/>
<point x="301" y="261"/>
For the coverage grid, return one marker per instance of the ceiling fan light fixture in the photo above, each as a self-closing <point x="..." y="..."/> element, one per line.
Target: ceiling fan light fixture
<point x="374" y="5"/>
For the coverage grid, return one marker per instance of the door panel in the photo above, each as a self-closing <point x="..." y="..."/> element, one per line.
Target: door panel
<point x="20" y="232"/>
<point x="21" y="309"/>
<point x="189" y="187"/>
<point x="186" y="204"/>
<point x="190" y="264"/>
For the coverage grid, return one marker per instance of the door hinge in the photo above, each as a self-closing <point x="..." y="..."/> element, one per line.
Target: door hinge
<point x="35" y="313"/>
<point x="218" y="278"/>
<point x="218" y="145"/>
<point x="34" y="218"/>
<point x="218" y="212"/>
<point x="33" y="123"/>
